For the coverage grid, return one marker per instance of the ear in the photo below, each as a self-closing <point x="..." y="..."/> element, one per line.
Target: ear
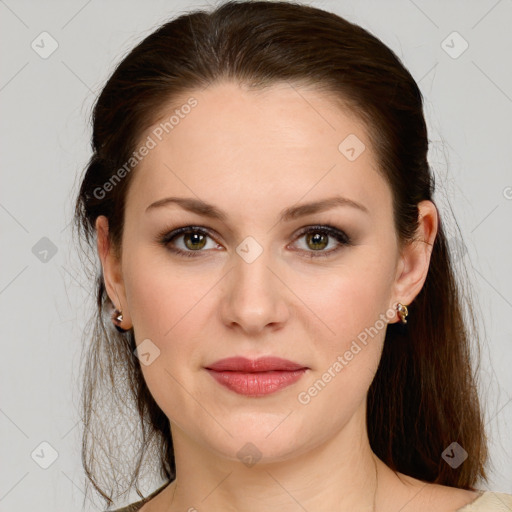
<point x="414" y="261"/>
<point x="112" y="274"/>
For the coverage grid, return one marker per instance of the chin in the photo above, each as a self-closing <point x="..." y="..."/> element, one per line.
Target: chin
<point x="253" y="443"/>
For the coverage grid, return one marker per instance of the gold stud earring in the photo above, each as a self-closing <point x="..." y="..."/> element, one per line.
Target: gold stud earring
<point x="402" y="312"/>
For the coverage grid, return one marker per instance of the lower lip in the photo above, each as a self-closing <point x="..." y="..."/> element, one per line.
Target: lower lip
<point x="257" y="383"/>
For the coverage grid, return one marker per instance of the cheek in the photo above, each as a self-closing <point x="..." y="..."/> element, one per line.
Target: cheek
<point x="351" y="304"/>
<point x="160" y="296"/>
<point x="347" y="355"/>
<point x="167" y="307"/>
<point x="162" y="310"/>
<point x="345" y="303"/>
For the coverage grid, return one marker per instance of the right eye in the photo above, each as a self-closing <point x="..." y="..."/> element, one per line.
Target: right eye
<point x="194" y="239"/>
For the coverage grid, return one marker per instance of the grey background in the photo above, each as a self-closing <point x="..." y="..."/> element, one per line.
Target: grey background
<point x="45" y="105"/>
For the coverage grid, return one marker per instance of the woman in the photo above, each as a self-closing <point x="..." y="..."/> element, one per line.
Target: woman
<point x="289" y="329"/>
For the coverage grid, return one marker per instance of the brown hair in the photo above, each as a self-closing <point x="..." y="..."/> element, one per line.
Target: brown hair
<point x="424" y="395"/>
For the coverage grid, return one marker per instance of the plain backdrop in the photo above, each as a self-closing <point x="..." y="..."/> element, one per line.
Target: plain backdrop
<point x="458" y="52"/>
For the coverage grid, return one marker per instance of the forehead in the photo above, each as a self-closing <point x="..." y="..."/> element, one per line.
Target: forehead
<point x="260" y="148"/>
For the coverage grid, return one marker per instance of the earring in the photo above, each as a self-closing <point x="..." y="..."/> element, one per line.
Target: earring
<point x="402" y="312"/>
<point x="117" y="318"/>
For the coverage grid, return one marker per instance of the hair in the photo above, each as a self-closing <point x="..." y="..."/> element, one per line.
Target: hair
<point x="424" y="394"/>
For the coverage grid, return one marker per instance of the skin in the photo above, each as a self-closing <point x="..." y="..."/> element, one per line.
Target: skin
<point x="253" y="154"/>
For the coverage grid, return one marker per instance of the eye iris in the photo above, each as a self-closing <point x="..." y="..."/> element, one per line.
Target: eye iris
<point x="317" y="239"/>
<point x="196" y="238"/>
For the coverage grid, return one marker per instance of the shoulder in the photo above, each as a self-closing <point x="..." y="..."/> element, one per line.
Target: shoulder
<point x="134" y="507"/>
<point x="489" y="502"/>
<point x="421" y="496"/>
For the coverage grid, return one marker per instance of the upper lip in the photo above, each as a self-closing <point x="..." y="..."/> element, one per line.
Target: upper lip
<point x="262" y="364"/>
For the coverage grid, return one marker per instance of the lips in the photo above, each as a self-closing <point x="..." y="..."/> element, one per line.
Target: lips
<point x="256" y="377"/>
<point x="263" y="364"/>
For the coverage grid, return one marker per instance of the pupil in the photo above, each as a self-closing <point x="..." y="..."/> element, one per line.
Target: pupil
<point x="318" y="239"/>
<point x="196" y="238"/>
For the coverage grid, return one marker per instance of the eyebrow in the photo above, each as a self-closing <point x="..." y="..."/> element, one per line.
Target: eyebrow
<point x="209" y="210"/>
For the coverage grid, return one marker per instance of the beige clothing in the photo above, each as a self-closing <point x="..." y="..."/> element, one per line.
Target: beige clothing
<point x="490" y="502"/>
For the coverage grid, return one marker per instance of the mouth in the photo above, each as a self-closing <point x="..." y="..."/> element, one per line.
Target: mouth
<point x="256" y="377"/>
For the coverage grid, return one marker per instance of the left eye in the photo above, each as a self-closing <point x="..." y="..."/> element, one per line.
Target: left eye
<point x="318" y="237"/>
<point x="194" y="239"/>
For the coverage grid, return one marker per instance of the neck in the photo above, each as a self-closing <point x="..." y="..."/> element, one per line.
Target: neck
<point x="337" y="474"/>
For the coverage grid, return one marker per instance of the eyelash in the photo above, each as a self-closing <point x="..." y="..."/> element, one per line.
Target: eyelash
<point x="165" y="238"/>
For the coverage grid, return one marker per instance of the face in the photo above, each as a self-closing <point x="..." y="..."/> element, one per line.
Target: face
<point x="315" y="286"/>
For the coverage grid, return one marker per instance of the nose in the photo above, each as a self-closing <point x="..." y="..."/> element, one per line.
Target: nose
<point x="254" y="296"/>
